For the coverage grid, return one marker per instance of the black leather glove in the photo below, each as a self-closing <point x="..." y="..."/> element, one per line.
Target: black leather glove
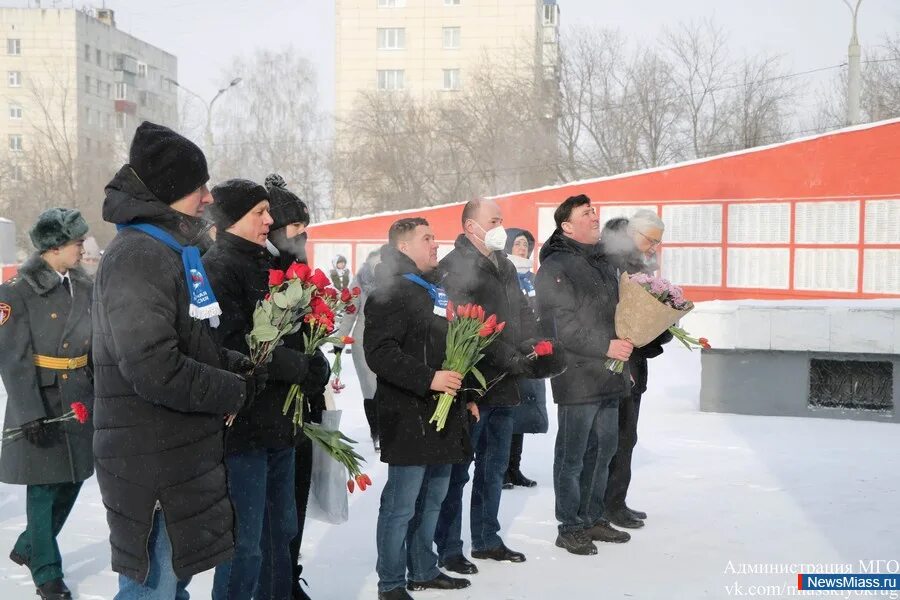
<point x="39" y="433"/>
<point x="289" y="366"/>
<point x="256" y="383"/>
<point x="236" y="362"/>
<point x="318" y="375"/>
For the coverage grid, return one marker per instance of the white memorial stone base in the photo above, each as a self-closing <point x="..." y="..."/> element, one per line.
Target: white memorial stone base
<point x="820" y="358"/>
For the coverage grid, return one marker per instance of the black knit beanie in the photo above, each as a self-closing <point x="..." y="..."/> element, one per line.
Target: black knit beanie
<point x="169" y="164"/>
<point x="57" y="227"/>
<point x="233" y="199"/>
<point x="286" y="207"/>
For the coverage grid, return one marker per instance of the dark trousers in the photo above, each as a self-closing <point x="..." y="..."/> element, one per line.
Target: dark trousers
<point x="515" y="451"/>
<point x="585" y="443"/>
<point x="260" y="484"/>
<point x="47" y="506"/>
<point x="620" y="466"/>
<point x="371" y="409"/>
<point x="490" y="439"/>
<point x="410" y="503"/>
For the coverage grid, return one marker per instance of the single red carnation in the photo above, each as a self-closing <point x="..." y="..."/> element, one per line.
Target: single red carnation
<point x="356" y="292"/>
<point x="346" y="296"/>
<point x="298" y="271"/>
<point x="544" y="348"/>
<point x="81" y="412"/>
<point x="350" y="309"/>
<point x="330" y="293"/>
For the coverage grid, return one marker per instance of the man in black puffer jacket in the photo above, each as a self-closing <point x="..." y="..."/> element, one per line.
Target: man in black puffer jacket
<point x="478" y="271"/>
<point x="577" y="293"/>
<point x="161" y="385"/>
<point x="405" y="343"/>
<point x="260" y="444"/>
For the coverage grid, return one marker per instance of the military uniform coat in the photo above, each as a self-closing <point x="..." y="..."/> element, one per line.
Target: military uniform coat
<point x="39" y="316"/>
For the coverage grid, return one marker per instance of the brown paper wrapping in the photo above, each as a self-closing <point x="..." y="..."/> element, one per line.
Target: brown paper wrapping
<point x="641" y="318"/>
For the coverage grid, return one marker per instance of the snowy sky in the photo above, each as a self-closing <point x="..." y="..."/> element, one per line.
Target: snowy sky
<point x="206" y="34"/>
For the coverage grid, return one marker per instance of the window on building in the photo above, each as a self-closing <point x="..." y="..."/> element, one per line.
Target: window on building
<point x="142" y="69"/>
<point x="121" y="120"/>
<point x="391" y="79"/>
<point x="87" y="52"/>
<point x="391" y="38"/>
<point x="14" y="47"/>
<point x="98" y="87"/>
<point x="391" y="3"/>
<point x="88" y="145"/>
<point x="110" y="61"/>
<point x="15" y="79"/>
<point x="108" y="89"/>
<point x="550" y="13"/>
<point x="121" y="91"/>
<point x="451" y="2"/>
<point x="87" y="84"/>
<point x="98" y="57"/>
<point x="89" y="116"/>
<point x="17" y="174"/>
<point x="15" y="111"/>
<point x="15" y="142"/>
<point x="451" y="79"/>
<point x="451" y="37"/>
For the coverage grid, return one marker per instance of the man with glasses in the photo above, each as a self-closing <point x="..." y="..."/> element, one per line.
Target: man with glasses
<point x="630" y="245"/>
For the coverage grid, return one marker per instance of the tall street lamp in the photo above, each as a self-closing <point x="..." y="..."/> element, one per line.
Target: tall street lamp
<point x="853" y="69"/>
<point x="208" y="137"/>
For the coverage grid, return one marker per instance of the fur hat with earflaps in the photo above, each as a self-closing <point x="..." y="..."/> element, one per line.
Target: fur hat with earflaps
<point x="57" y="227"/>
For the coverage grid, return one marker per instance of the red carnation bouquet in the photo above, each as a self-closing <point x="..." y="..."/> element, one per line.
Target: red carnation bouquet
<point x="301" y="296"/>
<point x="468" y="334"/>
<point x="78" y="412"/>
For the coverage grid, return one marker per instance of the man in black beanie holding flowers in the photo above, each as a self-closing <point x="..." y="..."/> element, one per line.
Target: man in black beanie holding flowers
<point x="287" y="238"/>
<point x="162" y="385"/>
<point x="260" y="444"/>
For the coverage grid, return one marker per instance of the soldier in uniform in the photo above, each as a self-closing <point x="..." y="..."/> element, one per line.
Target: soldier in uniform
<point x="45" y="336"/>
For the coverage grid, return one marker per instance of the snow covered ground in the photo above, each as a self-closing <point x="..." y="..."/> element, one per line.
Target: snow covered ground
<point x="726" y="494"/>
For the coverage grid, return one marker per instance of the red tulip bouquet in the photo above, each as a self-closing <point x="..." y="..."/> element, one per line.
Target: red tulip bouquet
<point x="468" y="334"/>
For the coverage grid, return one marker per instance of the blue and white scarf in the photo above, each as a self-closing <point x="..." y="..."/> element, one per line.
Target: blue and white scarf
<point x="203" y="304"/>
<point x="437" y="293"/>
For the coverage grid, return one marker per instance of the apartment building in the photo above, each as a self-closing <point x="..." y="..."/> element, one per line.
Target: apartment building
<point x="427" y="47"/>
<point x="75" y="89"/>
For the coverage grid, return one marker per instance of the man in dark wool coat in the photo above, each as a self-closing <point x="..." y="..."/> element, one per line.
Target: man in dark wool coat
<point x="405" y="344"/>
<point x="45" y="333"/>
<point x="163" y="386"/>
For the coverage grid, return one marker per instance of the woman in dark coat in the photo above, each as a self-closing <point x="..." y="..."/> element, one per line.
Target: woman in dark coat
<point x="531" y="415"/>
<point x="45" y="333"/>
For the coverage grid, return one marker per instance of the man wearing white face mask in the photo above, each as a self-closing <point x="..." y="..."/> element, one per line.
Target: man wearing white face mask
<point x="478" y="271"/>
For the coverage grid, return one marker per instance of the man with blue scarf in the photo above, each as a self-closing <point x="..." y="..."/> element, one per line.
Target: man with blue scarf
<point x="162" y="385"/>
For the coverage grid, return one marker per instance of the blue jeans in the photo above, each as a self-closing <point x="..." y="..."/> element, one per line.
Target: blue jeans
<point x="409" y="510"/>
<point x="161" y="584"/>
<point x="261" y="486"/>
<point x="491" y="437"/>
<point x="585" y="444"/>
